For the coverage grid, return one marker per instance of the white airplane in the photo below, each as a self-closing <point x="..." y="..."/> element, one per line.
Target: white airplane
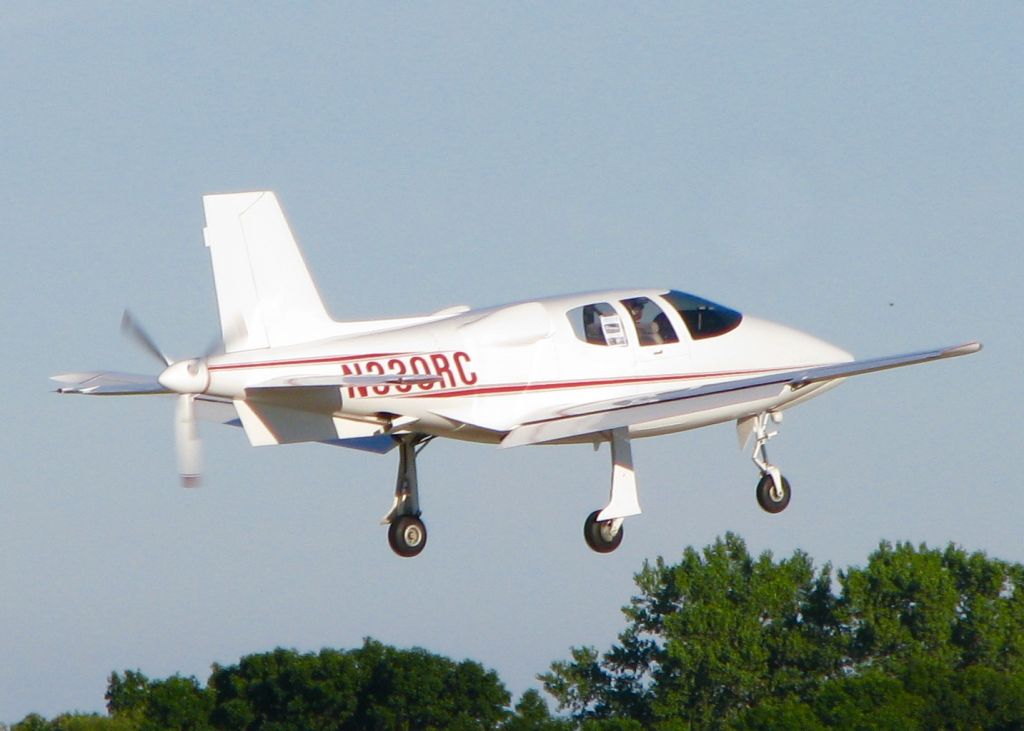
<point x="607" y="366"/>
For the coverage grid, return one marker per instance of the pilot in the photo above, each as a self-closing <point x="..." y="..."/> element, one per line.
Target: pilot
<point x="592" y="325"/>
<point x="648" y="331"/>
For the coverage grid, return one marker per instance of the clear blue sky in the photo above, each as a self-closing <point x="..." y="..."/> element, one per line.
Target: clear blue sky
<point x="856" y="171"/>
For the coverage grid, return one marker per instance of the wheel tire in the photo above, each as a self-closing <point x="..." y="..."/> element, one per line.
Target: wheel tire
<point x="407" y="536"/>
<point x="598" y="536"/>
<point x="765" y="498"/>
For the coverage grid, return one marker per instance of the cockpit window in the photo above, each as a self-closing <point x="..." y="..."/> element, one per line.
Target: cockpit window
<point x="652" y="326"/>
<point x="597" y="324"/>
<point x="703" y="319"/>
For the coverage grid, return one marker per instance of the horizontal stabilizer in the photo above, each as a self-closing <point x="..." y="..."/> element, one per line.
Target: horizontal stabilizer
<point x="108" y="383"/>
<point x="605" y="415"/>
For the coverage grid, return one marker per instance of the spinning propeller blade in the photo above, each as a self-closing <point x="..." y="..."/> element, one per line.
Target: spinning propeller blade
<point x="133" y="330"/>
<point x="186" y="441"/>
<point x="186" y="438"/>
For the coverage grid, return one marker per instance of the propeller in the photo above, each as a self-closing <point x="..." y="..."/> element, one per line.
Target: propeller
<point x="187" y="378"/>
<point x="186" y="441"/>
<point x="133" y="330"/>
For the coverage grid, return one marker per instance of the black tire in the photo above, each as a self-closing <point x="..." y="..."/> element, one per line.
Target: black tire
<point x="597" y="534"/>
<point x="765" y="498"/>
<point x="407" y="536"/>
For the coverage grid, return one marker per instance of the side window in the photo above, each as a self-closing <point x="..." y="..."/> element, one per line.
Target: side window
<point x="652" y="325"/>
<point x="597" y="324"/>
<point x="703" y="318"/>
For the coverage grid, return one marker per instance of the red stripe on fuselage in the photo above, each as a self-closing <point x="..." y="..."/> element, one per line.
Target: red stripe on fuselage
<point x="593" y="383"/>
<point x="301" y="361"/>
<point x="452" y="392"/>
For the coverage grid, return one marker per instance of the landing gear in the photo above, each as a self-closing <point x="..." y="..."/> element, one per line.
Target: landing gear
<point x="603" y="528"/>
<point x="407" y="535"/>
<point x="773" y="490"/>
<point x="603" y="536"/>
<point x="771" y="497"/>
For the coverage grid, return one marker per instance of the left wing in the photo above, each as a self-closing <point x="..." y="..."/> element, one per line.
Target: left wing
<point x="604" y="415"/>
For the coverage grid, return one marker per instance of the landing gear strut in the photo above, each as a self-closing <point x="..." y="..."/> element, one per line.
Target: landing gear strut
<point x="407" y="535"/>
<point x="773" y="490"/>
<point x="603" y="528"/>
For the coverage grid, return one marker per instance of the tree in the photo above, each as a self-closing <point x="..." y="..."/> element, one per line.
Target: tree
<point x="532" y="714"/>
<point x="127" y="695"/>
<point x="32" y="722"/>
<point x="73" y="722"/>
<point x="708" y="637"/>
<point x="154" y="705"/>
<point x="961" y="609"/>
<point x="373" y="687"/>
<point x="725" y="640"/>
<point x="177" y="703"/>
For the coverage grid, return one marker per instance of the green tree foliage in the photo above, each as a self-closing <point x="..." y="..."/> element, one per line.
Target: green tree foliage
<point x="73" y="722"/>
<point x="918" y="638"/>
<point x="127" y="694"/>
<point x="955" y="608"/>
<point x="716" y="633"/>
<point x="373" y="687"/>
<point x="154" y="705"/>
<point x="532" y="714"/>
<point x="32" y="722"/>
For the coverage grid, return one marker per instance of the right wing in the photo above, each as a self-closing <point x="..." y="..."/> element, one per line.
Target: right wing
<point x="605" y="415"/>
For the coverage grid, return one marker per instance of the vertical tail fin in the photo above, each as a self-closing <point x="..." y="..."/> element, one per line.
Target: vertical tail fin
<point x="261" y="278"/>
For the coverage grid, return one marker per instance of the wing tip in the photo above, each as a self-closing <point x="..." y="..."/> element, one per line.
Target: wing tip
<point x="966" y="349"/>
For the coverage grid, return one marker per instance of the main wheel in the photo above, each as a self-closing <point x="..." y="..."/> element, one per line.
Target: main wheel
<point x="598" y="534"/>
<point x="770" y="499"/>
<point x="407" y="535"/>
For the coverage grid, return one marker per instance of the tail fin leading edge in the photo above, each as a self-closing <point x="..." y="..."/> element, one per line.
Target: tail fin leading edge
<point x="261" y="278"/>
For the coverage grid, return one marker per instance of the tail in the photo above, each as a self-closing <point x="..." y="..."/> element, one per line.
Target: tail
<point x="265" y="293"/>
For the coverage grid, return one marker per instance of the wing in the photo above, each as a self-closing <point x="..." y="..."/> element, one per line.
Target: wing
<point x="605" y="415"/>
<point x="108" y="383"/>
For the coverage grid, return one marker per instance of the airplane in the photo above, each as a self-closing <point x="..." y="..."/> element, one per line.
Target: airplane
<point x="592" y="368"/>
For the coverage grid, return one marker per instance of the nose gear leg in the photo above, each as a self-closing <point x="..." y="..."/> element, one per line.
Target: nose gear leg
<point x="773" y="491"/>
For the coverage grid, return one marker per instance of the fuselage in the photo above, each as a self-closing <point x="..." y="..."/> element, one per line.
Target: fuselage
<point x="494" y="368"/>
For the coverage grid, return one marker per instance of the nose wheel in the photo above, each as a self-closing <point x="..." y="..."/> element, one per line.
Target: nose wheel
<point x="771" y="496"/>
<point x="773" y="490"/>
